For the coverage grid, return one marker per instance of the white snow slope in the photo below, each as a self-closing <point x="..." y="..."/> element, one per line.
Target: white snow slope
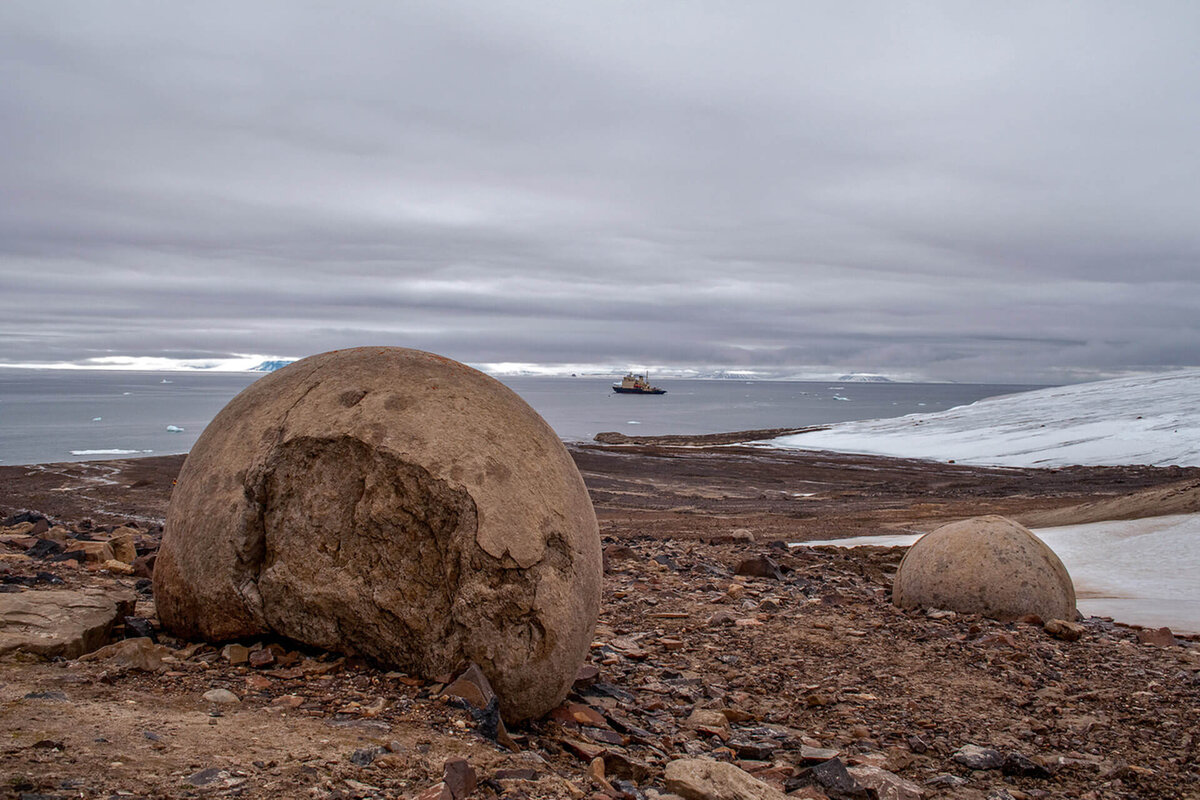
<point x="1152" y="419"/>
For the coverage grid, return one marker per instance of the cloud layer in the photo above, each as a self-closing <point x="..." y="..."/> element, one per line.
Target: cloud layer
<point x="968" y="191"/>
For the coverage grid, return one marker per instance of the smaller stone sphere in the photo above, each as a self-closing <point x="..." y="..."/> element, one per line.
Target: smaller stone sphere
<point x="985" y="565"/>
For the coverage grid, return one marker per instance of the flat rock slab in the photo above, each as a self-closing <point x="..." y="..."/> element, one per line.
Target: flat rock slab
<point x="59" y="622"/>
<point x="703" y="779"/>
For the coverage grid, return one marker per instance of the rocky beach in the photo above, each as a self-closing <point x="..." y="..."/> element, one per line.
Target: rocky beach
<point x="726" y="663"/>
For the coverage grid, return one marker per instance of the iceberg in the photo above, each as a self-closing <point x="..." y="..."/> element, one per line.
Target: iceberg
<point x="174" y="429"/>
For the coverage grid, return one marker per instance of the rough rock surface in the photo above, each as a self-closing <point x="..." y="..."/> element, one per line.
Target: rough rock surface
<point x="58" y="622"/>
<point x="395" y="504"/>
<point x="705" y="779"/>
<point x="985" y="565"/>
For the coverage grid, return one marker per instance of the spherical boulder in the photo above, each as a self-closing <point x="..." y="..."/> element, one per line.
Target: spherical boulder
<point x="394" y="504"/>
<point x="985" y="565"/>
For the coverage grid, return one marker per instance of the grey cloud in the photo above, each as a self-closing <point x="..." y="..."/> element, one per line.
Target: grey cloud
<point x="965" y="191"/>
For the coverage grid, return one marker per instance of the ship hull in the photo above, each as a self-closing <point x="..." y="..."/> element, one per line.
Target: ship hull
<point x="623" y="390"/>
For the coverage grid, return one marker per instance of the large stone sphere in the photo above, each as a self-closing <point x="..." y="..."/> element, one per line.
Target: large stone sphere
<point x="985" y="565"/>
<point x="394" y="504"/>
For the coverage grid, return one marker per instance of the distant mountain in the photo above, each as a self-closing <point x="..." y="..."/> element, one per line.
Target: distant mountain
<point x="862" y="377"/>
<point x="271" y="366"/>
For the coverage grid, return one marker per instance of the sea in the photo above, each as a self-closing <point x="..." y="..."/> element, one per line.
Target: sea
<point x="48" y="416"/>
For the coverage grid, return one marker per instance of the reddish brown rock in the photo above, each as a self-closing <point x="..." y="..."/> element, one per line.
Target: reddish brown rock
<point x="1159" y="637"/>
<point x="395" y="504"/>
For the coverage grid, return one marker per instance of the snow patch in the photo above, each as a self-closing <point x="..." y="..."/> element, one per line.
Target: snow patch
<point x="1141" y="420"/>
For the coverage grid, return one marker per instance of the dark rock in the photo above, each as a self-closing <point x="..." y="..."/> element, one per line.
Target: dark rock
<point x="207" y="777"/>
<point x="60" y="696"/>
<point x="517" y="775"/>
<point x="23" y="516"/>
<point x="365" y="755"/>
<point x="975" y="757"/>
<point x="1018" y="764"/>
<point x="755" y="751"/>
<point x="44" y="548"/>
<point x="759" y="567"/>
<point x="833" y="776"/>
<point x="139" y="627"/>
<point x="608" y="690"/>
<point x="667" y="562"/>
<point x="144" y="586"/>
<point x="74" y="555"/>
<point x="917" y="745"/>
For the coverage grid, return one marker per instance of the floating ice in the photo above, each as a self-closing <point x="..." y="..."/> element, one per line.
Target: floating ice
<point x="110" y="452"/>
<point x="174" y="429"/>
<point x="97" y="419"/>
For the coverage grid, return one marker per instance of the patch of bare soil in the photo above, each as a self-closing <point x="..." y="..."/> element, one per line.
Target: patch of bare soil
<point x="791" y="664"/>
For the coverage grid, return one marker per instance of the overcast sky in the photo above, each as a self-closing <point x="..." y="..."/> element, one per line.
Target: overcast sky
<point x="971" y="191"/>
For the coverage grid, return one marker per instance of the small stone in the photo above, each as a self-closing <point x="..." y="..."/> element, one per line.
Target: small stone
<point x="619" y="765"/>
<point x="138" y="654"/>
<point x="817" y="754"/>
<point x="833" y="775"/>
<point x="93" y="552"/>
<point x="365" y="755"/>
<point x="759" y="567"/>
<point x="1019" y="764"/>
<point x="975" y="757"/>
<point x="1158" y="637"/>
<point x="207" y="777"/>
<point x="235" y="654"/>
<point x="117" y="567"/>
<point x="439" y="791"/>
<point x="595" y="771"/>
<point x="947" y="780"/>
<point x="459" y="776"/>
<point x="721" y="618"/>
<point x="473" y="686"/>
<point x="704" y="779"/>
<point x="122" y="545"/>
<point x="221" y="696"/>
<point x="139" y="628"/>
<point x="885" y="785"/>
<point x="755" y="751"/>
<point x="1066" y="631"/>
<point x="262" y="658"/>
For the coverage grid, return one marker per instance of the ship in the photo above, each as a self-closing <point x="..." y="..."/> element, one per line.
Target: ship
<point x="636" y="384"/>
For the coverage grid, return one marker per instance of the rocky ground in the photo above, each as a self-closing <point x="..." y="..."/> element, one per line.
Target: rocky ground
<point x="716" y="641"/>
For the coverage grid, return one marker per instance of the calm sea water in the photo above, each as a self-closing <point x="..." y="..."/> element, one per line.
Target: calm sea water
<point x="51" y="415"/>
